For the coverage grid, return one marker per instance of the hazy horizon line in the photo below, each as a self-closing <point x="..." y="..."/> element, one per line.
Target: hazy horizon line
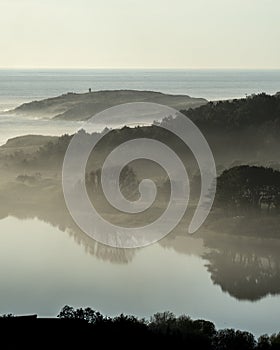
<point x="137" y="68"/>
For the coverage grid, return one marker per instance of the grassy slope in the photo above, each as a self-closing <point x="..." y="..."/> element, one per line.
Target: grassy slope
<point x="74" y="106"/>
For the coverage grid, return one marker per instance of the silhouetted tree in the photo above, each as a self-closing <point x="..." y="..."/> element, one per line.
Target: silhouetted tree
<point x="229" y="339"/>
<point x="264" y="342"/>
<point x="67" y="312"/>
<point x="128" y="182"/>
<point x="86" y="314"/>
<point x="275" y="341"/>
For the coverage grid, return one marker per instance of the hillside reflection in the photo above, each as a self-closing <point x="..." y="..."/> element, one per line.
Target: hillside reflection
<point x="245" y="267"/>
<point x="47" y="204"/>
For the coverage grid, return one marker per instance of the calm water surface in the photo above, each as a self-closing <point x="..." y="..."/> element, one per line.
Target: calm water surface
<point x="43" y="268"/>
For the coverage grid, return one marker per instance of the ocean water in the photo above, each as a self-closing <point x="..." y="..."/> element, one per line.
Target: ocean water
<point x="18" y="86"/>
<point x="14" y="126"/>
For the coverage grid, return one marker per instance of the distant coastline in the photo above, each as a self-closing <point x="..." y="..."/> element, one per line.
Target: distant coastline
<point x="78" y="107"/>
<point x="19" y="86"/>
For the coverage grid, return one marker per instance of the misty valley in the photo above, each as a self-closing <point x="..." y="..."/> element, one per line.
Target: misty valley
<point x="233" y="259"/>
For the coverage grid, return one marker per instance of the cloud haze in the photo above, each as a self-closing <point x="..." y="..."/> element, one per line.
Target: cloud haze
<point x="130" y="33"/>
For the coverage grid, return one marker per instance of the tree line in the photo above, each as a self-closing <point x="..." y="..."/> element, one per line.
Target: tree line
<point x="85" y="326"/>
<point x="164" y="328"/>
<point x="236" y="114"/>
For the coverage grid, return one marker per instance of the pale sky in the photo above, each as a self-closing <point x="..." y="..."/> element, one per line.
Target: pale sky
<point x="140" y="33"/>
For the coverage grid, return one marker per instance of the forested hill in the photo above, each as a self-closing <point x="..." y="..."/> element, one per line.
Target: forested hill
<point x="255" y="110"/>
<point x="242" y="131"/>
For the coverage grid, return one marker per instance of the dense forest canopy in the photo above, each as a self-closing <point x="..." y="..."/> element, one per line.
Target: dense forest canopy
<point x="237" y="114"/>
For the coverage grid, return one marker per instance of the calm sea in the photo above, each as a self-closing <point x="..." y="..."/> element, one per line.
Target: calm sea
<point x="18" y="86"/>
